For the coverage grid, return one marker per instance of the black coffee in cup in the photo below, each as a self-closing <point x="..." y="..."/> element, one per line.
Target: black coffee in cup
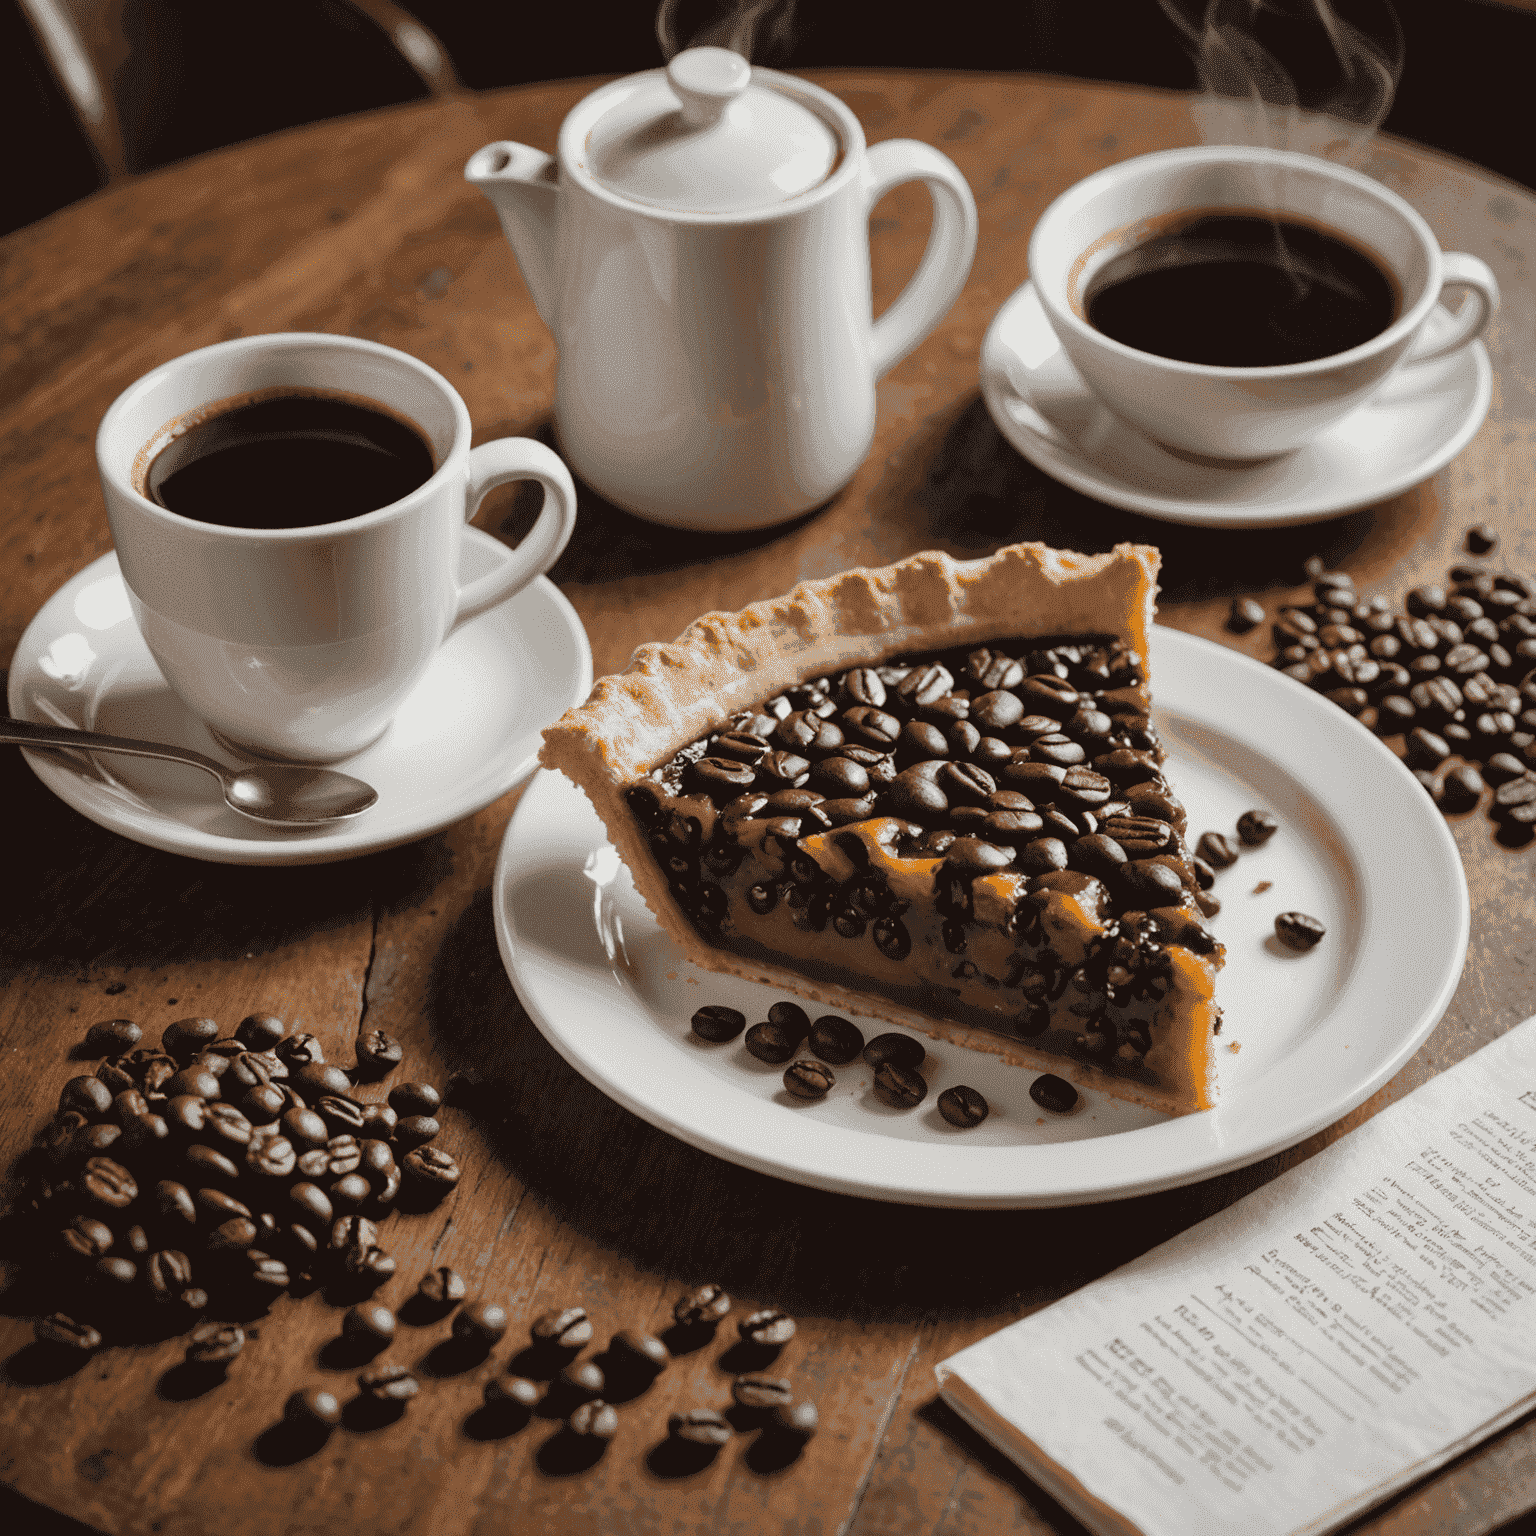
<point x="1242" y="290"/>
<point x="288" y="459"/>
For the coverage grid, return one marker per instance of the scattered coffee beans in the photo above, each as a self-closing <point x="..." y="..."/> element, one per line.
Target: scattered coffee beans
<point x="704" y="1304"/>
<point x="792" y="1019"/>
<point x="1053" y="1093"/>
<point x="769" y="1327"/>
<point x="1298" y="931"/>
<point x="809" y="1080"/>
<point x="1255" y="828"/>
<point x="963" y="1106"/>
<point x="716" y="1023"/>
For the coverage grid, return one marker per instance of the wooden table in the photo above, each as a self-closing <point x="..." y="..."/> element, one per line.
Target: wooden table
<point x="365" y="226"/>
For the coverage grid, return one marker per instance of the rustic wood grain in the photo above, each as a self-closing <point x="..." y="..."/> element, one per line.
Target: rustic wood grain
<point x="365" y="226"/>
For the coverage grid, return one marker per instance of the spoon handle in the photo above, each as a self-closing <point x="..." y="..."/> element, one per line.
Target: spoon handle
<point x="27" y="733"/>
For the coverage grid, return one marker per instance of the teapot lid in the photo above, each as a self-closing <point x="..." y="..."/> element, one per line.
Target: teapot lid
<point x="707" y="136"/>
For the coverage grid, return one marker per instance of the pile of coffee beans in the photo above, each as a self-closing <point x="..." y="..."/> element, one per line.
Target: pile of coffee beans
<point x="188" y="1185"/>
<point x="836" y="1042"/>
<point x="1220" y="850"/>
<point x="1451" y="672"/>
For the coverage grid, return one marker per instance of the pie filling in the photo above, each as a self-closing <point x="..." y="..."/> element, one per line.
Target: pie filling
<point x="984" y="836"/>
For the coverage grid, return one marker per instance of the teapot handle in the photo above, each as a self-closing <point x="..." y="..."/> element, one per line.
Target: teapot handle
<point x="951" y="246"/>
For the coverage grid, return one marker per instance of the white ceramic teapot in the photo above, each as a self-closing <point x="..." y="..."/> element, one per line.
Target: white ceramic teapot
<point x="699" y="248"/>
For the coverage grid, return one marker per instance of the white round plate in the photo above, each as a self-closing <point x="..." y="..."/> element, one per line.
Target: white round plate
<point x="1419" y="420"/>
<point x="1360" y="846"/>
<point x="466" y="734"/>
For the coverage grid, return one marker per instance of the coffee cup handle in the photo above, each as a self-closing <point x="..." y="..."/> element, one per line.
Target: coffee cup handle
<point x="1471" y="320"/>
<point x="497" y="463"/>
<point x="946" y="263"/>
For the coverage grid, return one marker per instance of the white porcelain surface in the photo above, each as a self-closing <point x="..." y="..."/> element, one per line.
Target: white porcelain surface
<point x="1244" y="413"/>
<point x="1418" y="421"/>
<point x="1361" y="847"/>
<point x="718" y="360"/>
<point x="302" y="642"/>
<point x="466" y="734"/>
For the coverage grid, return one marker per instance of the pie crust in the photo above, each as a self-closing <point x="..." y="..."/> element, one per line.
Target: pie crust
<point x="672" y="695"/>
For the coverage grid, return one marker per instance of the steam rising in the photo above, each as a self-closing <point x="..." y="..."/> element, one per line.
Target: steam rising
<point x="1291" y="74"/>
<point x="759" y="30"/>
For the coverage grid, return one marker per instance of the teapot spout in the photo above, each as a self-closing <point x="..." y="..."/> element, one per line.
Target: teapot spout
<point x="522" y="185"/>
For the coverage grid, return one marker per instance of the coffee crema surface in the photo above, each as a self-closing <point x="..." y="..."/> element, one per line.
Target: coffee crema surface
<point x="1242" y="290"/>
<point x="289" y="460"/>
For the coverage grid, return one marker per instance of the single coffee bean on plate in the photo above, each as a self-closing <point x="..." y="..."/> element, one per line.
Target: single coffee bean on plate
<point x="563" y="1327"/>
<point x="900" y="1087"/>
<point x="902" y="1050"/>
<point x="112" y="1037"/>
<point x="512" y="1392"/>
<point x="286" y="457"/>
<point x="703" y="1304"/>
<point x="798" y="1419"/>
<point x="1218" y="850"/>
<point x="792" y="1019"/>
<point x="768" y="1042"/>
<point x="700" y="1426"/>
<point x="1298" y="931"/>
<point x="1255" y="828"/>
<point x="480" y="1322"/>
<point x="809" y="1079"/>
<point x="312" y="1408"/>
<point x="717" y="1023"/>
<point x="1053" y="1093"/>
<point x="835" y="1040"/>
<point x="768" y="1327"/>
<point x="386" y="1383"/>
<point x="963" y="1107"/>
<point x="215" y="1343"/>
<point x="757" y="1389"/>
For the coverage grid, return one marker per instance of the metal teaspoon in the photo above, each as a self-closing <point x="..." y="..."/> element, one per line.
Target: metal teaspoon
<point x="278" y="794"/>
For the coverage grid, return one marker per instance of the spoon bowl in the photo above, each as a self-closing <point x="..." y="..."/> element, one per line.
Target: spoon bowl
<point x="275" y="794"/>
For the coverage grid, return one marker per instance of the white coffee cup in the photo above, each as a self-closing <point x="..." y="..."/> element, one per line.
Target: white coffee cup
<point x="1246" y="413"/>
<point x="301" y="643"/>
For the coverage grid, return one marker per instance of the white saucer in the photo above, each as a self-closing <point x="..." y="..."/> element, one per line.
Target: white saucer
<point x="1416" y="424"/>
<point x="1361" y="847"/>
<point x="466" y="734"/>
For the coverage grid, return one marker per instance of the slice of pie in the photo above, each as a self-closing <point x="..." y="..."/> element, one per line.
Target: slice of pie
<point x="931" y="793"/>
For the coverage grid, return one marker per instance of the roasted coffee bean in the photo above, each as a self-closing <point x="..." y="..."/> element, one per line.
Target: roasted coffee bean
<point x="270" y="1154"/>
<point x="88" y="1237"/>
<point x="415" y="1099"/>
<point x="378" y="1054"/>
<point x="88" y="1095"/>
<point x="862" y="685"/>
<point x="66" y="1333"/>
<point x="808" y="1079"/>
<point x="716" y="1023"/>
<point x="593" y="1420"/>
<point x="963" y="1107"/>
<point x="94" y="1140"/>
<point x="350" y="1192"/>
<point x="565" y="1328"/>
<point x="215" y="1343"/>
<point x="262" y="1106"/>
<point x="840" y="778"/>
<point x="1043" y="856"/>
<point x="1097" y="855"/>
<point x="349" y="1232"/>
<point x="704" y="1304"/>
<point x="892" y="940"/>
<point x="1481" y="538"/>
<point x="900" y="1087"/>
<point x="431" y="1168"/>
<point x="265" y="1273"/>
<point x="174" y="1202"/>
<point x="721" y="778"/>
<point x="768" y="1327"/>
<point x="300" y="1050"/>
<point x="368" y="1264"/>
<point x="379" y="1121"/>
<point x="312" y="1408"/>
<point x="903" y="1050"/>
<point x="480" y="1322"/>
<point x="924" y="685"/>
<point x="700" y="1426"/>
<point x="1151" y="883"/>
<point x="760" y="1391"/>
<point x="1426" y="749"/>
<point x="965" y="784"/>
<point x="1218" y="850"/>
<point x="377" y="1161"/>
<point x="1437" y="699"/>
<point x="796" y="1420"/>
<point x="1502" y="767"/>
<point x="108" y="1184"/>
<point x="305" y="1129"/>
<point x="639" y="1350"/>
<point x="58" y="1141"/>
<point x="768" y="1042"/>
<point x="112" y="1037"/>
<point x="167" y="1273"/>
<point x="835" y="1040"/>
<point x="236" y="1235"/>
<point x="1053" y="1093"/>
<point x="416" y="1131"/>
<point x="260" y="1031"/>
<point x="186" y="1037"/>
<point x="1057" y="749"/>
<point x="1298" y="931"/>
<point x="388" y="1384"/>
<point x="1461" y="788"/>
<point x="119" y="1075"/>
<point x="581" y="1378"/>
<point x="215" y="1206"/>
<point x="1255" y="828"/>
<point x="992" y="670"/>
<point x="1244" y="615"/>
<point x="512" y="1392"/>
<point x="316" y="1080"/>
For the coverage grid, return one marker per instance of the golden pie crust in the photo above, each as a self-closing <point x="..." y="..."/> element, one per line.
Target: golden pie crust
<point x="671" y="695"/>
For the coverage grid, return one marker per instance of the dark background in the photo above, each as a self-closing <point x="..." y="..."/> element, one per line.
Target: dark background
<point x="199" y="74"/>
